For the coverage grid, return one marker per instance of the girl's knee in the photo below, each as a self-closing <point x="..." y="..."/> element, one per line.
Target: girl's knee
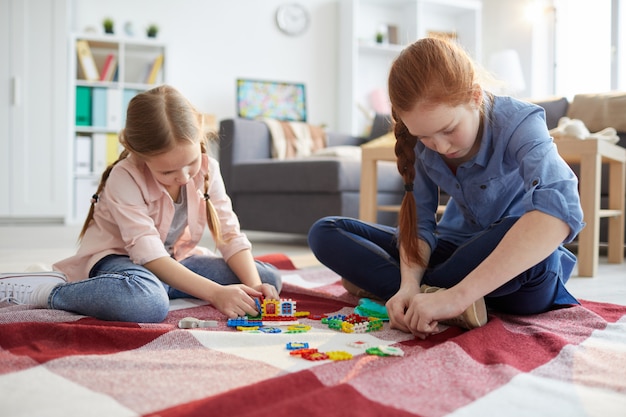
<point x="270" y="276"/>
<point x="318" y="232"/>
<point x="150" y="305"/>
<point x="151" y="309"/>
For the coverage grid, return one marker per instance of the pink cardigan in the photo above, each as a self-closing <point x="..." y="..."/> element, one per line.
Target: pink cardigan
<point x="134" y="214"/>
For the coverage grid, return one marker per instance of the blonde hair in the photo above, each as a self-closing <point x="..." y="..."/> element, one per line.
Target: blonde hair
<point x="431" y="71"/>
<point x="157" y="121"/>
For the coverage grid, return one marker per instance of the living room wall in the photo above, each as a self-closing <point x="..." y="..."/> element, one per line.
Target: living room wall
<point x="211" y="43"/>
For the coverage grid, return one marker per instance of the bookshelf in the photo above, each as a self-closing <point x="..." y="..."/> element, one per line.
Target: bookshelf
<point x="106" y="72"/>
<point x="364" y="62"/>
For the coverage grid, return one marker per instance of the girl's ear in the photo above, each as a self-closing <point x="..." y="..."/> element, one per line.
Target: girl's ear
<point x="122" y="140"/>
<point x="477" y="95"/>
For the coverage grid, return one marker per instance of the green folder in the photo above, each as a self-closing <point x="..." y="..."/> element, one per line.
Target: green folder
<point x="83" y="106"/>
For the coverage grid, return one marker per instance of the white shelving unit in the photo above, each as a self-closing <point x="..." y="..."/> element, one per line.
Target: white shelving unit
<point x="364" y="63"/>
<point x="99" y="108"/>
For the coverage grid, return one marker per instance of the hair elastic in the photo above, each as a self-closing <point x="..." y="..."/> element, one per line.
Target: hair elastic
<point x="408" y="187"/>
<point x="206" y="197"/>
<point x="95" y="198"/>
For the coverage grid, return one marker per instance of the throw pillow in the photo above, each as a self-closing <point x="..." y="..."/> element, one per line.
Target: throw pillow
<point x="295" y="139"/>
<point x="344" y="151"/>
<point x="601" y="110"/>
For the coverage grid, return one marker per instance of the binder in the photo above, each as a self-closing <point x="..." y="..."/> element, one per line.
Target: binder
<point x="113" y="148"/>
<point x="127" y="96"/>
<point x="84" y="188"/>
<point x="87" y="63"/>
<point x="83" y="106"/>
<point x="114" y="111"/>
<point x="99" y="153"/>
<point x="82" y="157"/>
<point x="99" y="107"/>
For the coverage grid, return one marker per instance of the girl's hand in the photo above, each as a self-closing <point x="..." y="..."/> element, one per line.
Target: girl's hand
<point x="269" y="291"/>
<point x="426" y="310"/>
<point x="397" y="307"/>
<point x="235" y="300"/>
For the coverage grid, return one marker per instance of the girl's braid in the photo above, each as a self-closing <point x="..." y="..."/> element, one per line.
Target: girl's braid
<point x="407" y="219"/>
<point x="211" y="214"/>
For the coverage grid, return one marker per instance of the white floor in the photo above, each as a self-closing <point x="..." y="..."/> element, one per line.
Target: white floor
<point x="23" y="245"/>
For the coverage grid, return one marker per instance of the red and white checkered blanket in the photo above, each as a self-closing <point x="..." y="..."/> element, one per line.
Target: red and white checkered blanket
<point x="568" y="362"/>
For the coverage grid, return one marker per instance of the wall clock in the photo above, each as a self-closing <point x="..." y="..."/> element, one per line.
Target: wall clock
<point x="292" y="19"/>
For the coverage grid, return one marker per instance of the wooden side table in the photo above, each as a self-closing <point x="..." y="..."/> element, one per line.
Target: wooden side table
<point x="368" y="204"/>
<point x="591" y="154"/>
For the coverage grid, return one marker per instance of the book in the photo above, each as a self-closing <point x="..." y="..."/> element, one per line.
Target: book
<point x="154" y="69"/>
<point x="87" y="63"/>
<point x="83" y="106"/>
<point x="109" y="69"/>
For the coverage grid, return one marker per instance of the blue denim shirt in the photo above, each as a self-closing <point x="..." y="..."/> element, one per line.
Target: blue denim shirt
<point x="517" y="169"/>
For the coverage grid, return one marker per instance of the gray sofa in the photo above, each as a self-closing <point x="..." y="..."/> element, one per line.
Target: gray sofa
<point x="288" y="196"/>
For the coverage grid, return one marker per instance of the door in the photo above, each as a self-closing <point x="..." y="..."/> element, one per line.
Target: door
<point x="33" y="113"/>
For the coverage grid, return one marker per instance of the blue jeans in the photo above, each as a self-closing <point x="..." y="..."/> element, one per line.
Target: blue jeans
<point x="367" y="255"/>
<point x="118" y="289"/>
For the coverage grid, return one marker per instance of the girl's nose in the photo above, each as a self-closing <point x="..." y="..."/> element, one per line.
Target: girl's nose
<point x="183" y="178"/>
<point x="442" y="146"/>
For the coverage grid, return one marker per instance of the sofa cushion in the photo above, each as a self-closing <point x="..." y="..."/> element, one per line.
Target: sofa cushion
<point x="555" y="108"/>
<point x="600" y="110"/>
<point x="323" y="174"/>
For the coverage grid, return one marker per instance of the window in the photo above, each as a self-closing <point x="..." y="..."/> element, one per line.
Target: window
<point x="586" y="46"/>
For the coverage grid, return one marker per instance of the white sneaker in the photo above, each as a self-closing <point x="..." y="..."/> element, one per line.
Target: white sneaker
<point x="17" y="287"/>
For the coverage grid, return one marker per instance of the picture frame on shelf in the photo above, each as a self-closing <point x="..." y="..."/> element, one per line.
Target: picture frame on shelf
<point x="274" y="99"/>
<point x="449" y="36"/>
<point x="392" y="34"/>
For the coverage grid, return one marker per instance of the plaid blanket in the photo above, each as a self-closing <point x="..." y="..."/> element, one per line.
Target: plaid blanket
<point x="567" y="362"/>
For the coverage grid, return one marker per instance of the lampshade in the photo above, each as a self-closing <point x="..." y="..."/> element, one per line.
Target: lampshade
<point x="505" y="65"/>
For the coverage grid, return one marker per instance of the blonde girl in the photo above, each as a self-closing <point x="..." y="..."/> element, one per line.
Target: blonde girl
<point x="138" y="247"/>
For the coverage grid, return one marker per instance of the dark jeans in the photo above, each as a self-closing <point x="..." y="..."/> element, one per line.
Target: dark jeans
<point x="367" y="255"/>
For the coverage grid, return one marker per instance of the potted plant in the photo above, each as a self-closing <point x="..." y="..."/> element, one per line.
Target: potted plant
<point x="108" y="25"/>
<point x="152" y="31"/>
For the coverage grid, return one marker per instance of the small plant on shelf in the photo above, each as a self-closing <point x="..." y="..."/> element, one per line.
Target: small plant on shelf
<point x="108" y="25"/>
<point x="152" y="31"/>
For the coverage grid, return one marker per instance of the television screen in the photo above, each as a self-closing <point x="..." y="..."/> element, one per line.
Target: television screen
<point x="273" y="99"/>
